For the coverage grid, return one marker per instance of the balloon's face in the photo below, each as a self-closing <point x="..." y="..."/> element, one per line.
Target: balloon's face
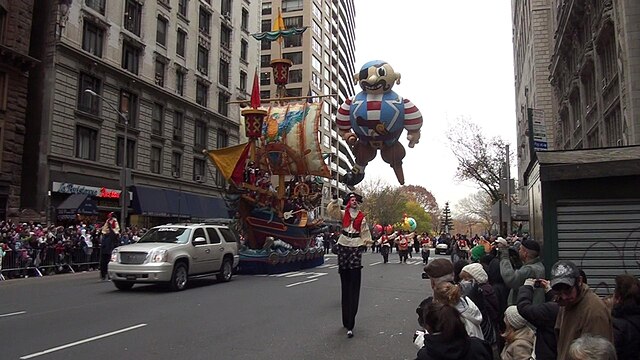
<point x="377" y="77"/>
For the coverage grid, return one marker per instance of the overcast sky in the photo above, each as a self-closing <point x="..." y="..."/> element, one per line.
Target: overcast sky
<point x="456" y="59"/>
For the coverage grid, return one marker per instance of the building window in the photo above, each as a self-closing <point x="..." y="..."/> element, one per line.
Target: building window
<point x="244" y="23"/>
<point x="266" y="8"/>
<point x="180" y="75"/>
<point x="198" y="169"/>
<point x="182" y="7"/>
<point x="315" y="80"/>
<point x="576" y="109"/>
<point x="326" y="141"/>
<point x="293" y="40"/>
<point x="200" y="134"/>
<point x="244" y="49"/>
<point x="294" y="92"/>
<point x="161" y="31"/>
<point x="293" y="22"/>
<point x="613" y="127"/>
<point x="608" y="58"/>
<point x="265" y="78"/>
<point x="130" y="57"/>
<point x="315" y="45"/>
<point x="92" y="38"/>
<point x="86" y="102"/>
<point x="129" y="107"/>
<point x="316" y="64"/>
<point x="326" y="123"/>
<point x="176" y="164"/>
<point x="203" y="60"/>
<point x="223" y="77"/>
<point x="316" y="11"/>
<point x="178" y="121"/>
<point x="223" y="104"/>
<point x="97" y="5"/>
<point x="326" y="73"/>
<point x="86" y="143"/>
<point x="265" y="25"/>
<point x="295" y="57"/>
<point x="316" y="29"/>
<point x="181" y="42"/>
<point x="265" y="60"/>
<point x="160" y="73"/>
<point x="132" y="16"/>
<point x="295" y="76"/>
<point x="265" y="45"/>
<point x="202" y="93"/>
<point x="593" y="139"/>
<point x="225" y="37"/>
<point x="131" y="152"/>
<point x="157" y="119"/>
<point x="4" y="84"/>
<point x="265" y="94"/>
<point x="243" y="81"/>
<point x="156" y="159"/>
<point x="292" y="5"/>
<point x="204" y="22"/>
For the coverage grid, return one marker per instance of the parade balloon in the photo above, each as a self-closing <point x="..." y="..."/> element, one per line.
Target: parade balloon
<point x="377" y="228"/>
<point x="388" y="229"/>
<point x="412" y="223"/>
<point x="374" y="119"/>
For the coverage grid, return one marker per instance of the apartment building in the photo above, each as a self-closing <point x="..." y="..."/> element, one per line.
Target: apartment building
<point x="163" y="72"/>
<point x="15" y="65"/>
<point x="532" y="47"/>
<point x="323" y="64"/>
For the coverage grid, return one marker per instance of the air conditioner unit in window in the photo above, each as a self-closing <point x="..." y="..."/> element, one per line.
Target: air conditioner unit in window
<point x="199" y="178"/>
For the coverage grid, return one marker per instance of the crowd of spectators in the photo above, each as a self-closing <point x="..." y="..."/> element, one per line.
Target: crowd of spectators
<point x="28" y="248"/>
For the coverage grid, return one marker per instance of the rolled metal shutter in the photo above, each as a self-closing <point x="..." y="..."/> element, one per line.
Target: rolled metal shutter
<point x="602" y="237"/>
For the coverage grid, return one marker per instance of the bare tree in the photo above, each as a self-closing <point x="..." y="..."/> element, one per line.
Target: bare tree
<point x="480" y="159"/>
<point x="477" y="206"/>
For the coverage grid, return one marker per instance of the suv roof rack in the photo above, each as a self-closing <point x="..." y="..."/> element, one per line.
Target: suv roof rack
<point x="217" y="221"/>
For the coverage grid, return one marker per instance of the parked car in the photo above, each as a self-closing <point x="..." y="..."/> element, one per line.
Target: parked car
<point x="174" y="253"/>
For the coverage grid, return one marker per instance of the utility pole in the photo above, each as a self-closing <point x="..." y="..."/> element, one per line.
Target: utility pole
<point x="508" y="174"/>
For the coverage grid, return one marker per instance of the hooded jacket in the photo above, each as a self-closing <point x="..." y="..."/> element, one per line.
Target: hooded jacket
<point x="626" y="331"/>
<point x="471" y="317"/>
<point x="437" y="348"/>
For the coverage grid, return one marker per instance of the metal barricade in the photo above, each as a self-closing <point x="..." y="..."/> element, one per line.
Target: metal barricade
<point x="47" y="261"/>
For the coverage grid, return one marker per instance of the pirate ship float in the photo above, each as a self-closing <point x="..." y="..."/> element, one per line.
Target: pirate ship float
<point x="277" y="222"/>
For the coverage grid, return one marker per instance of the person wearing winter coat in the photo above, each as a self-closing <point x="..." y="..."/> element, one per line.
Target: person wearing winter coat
<point x="532" y="268"/>
<point x="626" y="317"/>
<point x="446" y="337"/>
<point x="541" y="316"/>
<point x="518" y="337"/>
<point x="451" y="294"/>
<point x="474" y="285"/>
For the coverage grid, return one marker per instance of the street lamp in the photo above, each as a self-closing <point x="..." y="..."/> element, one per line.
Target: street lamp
<point x="124" y="194"/>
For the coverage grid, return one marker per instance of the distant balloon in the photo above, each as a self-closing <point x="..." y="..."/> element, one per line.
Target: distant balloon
<point x="412" y="223"/>
<point x="377" y="228"/>
<point x="388" y="229"/>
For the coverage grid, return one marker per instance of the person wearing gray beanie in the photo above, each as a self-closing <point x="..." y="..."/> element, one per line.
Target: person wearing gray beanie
<point x="518" y="337"/>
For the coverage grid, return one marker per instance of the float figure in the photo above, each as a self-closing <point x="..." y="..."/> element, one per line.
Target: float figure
<point x="374" y="119"/>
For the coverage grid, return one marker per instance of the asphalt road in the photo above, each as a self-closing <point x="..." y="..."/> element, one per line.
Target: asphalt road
<point x="285" y="316"/>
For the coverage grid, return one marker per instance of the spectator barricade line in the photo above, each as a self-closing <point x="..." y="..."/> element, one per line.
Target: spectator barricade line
<point x="47" y="261"/>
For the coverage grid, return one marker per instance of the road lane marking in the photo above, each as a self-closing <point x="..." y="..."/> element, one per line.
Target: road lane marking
<point x="315" y="275"/>
<point x="81" y="342"/>
<point x="375" y="263"/>
<point x="301" y="282"/>
<point x="13" y="313"/>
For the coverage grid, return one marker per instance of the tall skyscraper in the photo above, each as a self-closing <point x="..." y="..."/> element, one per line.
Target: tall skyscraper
<point x="323" y="64"/>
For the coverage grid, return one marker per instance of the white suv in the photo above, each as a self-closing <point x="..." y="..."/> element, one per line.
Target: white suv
<point x="173" y="253"/>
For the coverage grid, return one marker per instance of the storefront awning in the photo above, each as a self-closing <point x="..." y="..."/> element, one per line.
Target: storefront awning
<point x="170" y="203"/>
<point x="76" y="204"/>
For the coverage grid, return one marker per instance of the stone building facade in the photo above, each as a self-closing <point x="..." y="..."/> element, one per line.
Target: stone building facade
<point x="595" y="71"/>
<point x="170" y="68"/>
<point x="15" y="64"/>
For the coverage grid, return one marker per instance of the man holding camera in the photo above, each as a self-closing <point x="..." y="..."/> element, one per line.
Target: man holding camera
<point x="532" y="268"/>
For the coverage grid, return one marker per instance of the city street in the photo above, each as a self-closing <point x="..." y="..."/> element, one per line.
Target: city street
<point x="284" y="316"/>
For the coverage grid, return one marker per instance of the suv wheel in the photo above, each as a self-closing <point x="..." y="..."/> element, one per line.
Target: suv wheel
<point x="179" y="277"/>
<point x="123" y="285"/>
<point x="226" y="271"/>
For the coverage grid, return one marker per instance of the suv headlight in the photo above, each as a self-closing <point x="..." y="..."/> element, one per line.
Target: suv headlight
<point x="158" y="256"/>
<point x="114" y="255"/>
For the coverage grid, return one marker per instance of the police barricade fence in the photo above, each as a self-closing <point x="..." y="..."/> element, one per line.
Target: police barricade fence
<point x="47" y="261"/>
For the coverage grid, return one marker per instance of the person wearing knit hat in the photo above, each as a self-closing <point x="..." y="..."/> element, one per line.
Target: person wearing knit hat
<point x="518" y="336"/>
<point x="474" y="284"/>
<point x="477" y="252"/>
<point x="477" y="272"/>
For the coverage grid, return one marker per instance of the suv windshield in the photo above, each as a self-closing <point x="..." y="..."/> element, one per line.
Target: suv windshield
<point x="169" y="235"/>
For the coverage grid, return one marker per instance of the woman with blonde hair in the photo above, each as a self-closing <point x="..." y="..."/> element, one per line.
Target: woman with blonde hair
<point x="451" y="294"/>
<point x="518" y="336"/>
